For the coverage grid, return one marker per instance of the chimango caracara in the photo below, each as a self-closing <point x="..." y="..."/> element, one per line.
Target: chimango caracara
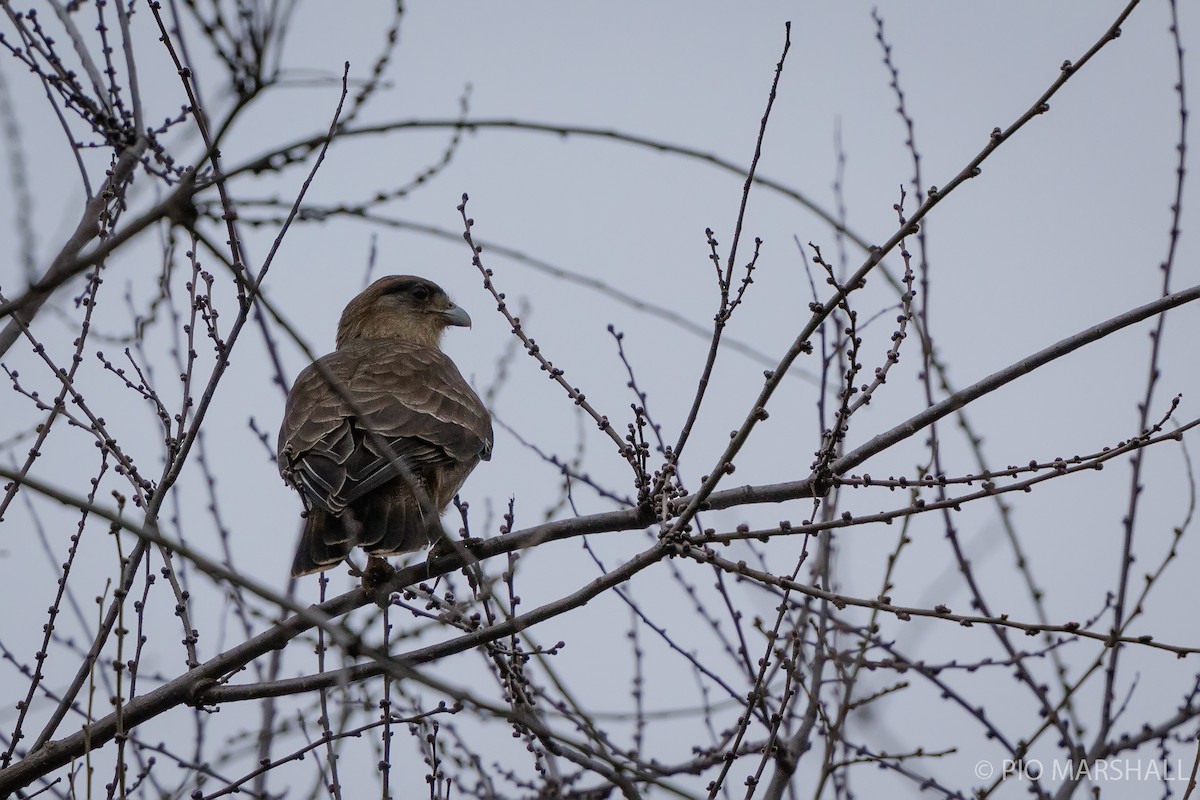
<point x="379" y="435"/>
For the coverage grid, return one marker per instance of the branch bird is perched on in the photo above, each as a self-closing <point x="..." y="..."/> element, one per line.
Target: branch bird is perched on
<point x="379" y="435"/>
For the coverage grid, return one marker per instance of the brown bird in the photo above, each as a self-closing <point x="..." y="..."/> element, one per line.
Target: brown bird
<point x="379" y="435"/>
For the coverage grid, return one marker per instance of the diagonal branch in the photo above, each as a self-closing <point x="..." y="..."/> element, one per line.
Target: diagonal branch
<point x="67" y="264"/>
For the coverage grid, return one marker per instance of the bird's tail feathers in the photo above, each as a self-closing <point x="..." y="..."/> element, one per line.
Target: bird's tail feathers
<point x="395" y="525"/>
<point x="325" y="541"/>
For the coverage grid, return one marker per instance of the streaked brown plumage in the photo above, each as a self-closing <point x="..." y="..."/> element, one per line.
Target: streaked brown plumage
<point x="387" y="386"/>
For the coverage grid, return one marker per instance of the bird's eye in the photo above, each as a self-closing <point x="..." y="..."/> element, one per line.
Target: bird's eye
<point x="420" y="292"/>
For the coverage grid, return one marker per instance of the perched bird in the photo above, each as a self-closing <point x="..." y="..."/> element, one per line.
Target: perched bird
<point x="379" y="435"/>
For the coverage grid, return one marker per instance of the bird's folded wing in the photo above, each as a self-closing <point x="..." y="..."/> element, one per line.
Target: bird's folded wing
<point x="347" y="406"/>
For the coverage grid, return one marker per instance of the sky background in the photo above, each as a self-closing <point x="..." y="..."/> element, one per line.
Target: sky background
<point x="1065" y="228"/>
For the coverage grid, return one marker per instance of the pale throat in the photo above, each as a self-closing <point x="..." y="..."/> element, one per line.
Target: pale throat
<point x="425" y="330"/>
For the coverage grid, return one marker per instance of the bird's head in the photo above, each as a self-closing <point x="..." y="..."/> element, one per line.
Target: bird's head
<point x="400" y="307"/>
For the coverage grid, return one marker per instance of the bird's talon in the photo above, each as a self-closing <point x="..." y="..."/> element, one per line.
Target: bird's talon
<point x="375" y="577"/>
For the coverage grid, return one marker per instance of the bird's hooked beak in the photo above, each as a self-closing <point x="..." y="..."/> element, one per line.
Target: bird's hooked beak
<point x="456" y="316"/>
